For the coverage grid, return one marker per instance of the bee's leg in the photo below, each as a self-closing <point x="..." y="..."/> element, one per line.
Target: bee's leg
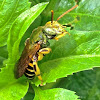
<point x="69" y="25"/>
<point x="37" y="58"/>
<point x="42" y="52"/>
<point x="36" y="69"/>
<point x="40" y="56"/>
<point x="61" y="35"/>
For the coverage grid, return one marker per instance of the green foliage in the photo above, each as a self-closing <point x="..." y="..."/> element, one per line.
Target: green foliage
<point x="71" y="54"/>
<point x="86" y="84"/>
<point x="9" y="11"/>
<point x="54" y="94"/>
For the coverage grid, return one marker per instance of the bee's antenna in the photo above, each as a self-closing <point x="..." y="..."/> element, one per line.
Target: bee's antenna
<point x="66" y="12"/>
<point x="52" y="13"/>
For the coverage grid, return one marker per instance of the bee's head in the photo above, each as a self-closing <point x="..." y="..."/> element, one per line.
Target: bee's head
<point x="52" y="29"/>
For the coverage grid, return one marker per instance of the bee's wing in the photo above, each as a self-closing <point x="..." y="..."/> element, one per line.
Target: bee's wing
<point x="25" y="58"/>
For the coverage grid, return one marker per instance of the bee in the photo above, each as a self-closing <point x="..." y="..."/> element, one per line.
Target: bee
<point x="37" y="46"/>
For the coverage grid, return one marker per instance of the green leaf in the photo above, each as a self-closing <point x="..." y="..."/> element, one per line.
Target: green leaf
<point x="89" y="12"/>
<point x="61" y="67"/>
<point x="29" y="95"/>
<point x="55" y="94"/>
<point x="9" y="11"/>
<point x="87" y="82"/>
<point x="11" y="88"/>
<point x="95" y="89"/>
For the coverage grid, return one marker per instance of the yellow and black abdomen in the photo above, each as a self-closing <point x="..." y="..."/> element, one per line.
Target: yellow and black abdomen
<point x="30" y="72"/>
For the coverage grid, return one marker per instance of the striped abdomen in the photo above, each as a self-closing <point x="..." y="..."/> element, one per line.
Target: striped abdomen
<point x="30" y="72"/>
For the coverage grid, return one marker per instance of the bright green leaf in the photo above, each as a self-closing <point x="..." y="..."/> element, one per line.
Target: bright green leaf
<point x="55" y="94"/>
<point x="11" y="88"/>
<point x="61" y="67"/>
<point x="9" y="11"/>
